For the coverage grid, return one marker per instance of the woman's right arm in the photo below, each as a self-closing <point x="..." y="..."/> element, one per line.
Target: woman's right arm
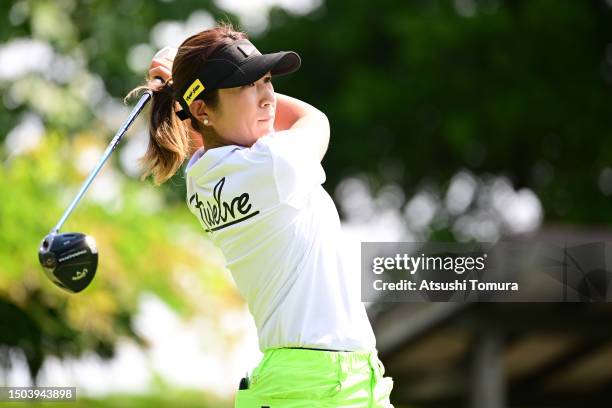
<point x="306" y="123"/>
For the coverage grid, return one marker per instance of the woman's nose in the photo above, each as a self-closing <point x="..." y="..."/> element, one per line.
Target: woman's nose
<point x="267" y="97"/>
<point x="265" y="103"/>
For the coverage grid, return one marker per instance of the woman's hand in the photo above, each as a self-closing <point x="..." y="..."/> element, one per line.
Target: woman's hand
<point x="161" y="66"/>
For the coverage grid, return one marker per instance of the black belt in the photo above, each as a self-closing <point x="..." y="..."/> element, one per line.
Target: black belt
<point x="317" y="349"/>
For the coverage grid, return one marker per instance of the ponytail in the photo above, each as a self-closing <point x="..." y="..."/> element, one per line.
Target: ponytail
<point x="169" y="139"/>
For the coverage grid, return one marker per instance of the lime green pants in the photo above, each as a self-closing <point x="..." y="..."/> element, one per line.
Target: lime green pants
<point x="292" y="378"/>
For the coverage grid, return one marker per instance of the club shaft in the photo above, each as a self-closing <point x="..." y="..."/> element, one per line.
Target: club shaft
<point x="144" y="99"/>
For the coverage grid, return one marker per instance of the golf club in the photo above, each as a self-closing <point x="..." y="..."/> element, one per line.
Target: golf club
<point x="70" y="259"/>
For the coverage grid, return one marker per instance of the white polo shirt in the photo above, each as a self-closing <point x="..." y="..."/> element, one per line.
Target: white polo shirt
<point x="279" y="231"/>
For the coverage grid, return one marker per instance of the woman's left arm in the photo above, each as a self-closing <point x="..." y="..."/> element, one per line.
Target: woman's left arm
<point x="308" y="125"/>
<point x="286" y="115"/>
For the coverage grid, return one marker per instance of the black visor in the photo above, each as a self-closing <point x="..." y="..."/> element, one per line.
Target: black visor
<point x="237" y="64"/>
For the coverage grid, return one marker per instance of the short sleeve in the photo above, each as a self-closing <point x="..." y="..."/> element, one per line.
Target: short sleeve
<point x="296" y="174"/>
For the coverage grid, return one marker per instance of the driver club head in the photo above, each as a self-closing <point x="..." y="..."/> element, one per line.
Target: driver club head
<point x="69" y="259"/>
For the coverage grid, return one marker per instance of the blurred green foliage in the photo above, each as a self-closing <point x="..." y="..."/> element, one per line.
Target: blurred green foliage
<point x="146" y="243"/>
<point x="414" y="91"/>
<point x="139" y="251"/>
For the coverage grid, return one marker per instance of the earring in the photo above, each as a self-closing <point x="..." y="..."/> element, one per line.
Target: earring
<point x="205" y="122"/>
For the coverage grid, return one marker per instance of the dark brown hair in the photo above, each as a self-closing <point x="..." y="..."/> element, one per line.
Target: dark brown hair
<point x="169" y="138"/>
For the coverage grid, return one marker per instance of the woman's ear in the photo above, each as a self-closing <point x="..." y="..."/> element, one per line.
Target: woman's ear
<point x="199" y="110"/>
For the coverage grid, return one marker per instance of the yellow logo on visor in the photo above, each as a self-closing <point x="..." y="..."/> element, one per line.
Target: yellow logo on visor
<point x="193" y="91"/>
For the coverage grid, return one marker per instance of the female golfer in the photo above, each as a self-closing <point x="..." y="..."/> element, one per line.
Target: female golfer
<point x="254" y="183"/>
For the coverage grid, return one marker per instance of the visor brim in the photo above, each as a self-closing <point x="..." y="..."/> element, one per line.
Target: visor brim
<point x="278" y="63"/>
